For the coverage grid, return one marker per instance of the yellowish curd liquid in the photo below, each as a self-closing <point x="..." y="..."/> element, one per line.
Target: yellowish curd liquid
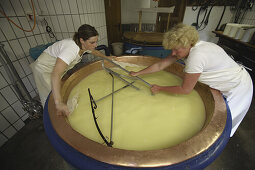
<point x="141" y="121"/>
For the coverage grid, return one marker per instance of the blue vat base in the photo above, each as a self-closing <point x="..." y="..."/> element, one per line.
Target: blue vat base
<point x="155" y="51"/>
<point x="81" y="161"/>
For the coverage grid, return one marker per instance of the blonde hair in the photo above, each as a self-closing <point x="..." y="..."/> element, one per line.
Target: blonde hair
<point x="180" y="36"/>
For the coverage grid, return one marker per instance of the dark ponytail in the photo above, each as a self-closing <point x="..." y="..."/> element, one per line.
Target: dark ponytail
<point x="85" y="31"/>
<point x="76" y="38"/>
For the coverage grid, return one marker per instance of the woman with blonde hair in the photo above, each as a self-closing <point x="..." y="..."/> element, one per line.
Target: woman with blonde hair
<point x="207" y="63"/>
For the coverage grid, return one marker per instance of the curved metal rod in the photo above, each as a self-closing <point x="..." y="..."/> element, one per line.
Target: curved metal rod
<point x="99" y="54"/>
<point x="114" y="92"/>
<point x="93" y="107"/>
<point x="118" y="75"/>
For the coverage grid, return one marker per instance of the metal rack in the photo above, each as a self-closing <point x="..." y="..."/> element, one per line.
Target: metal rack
<point x="30" y="105"/>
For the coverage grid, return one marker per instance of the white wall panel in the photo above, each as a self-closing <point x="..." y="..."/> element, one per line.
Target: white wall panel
<point x="65" y="7"/>
<point x="10" y="115"/>
<point x="18" y="32"/>
<point x="64" y="18"/>
<point x="73" y="6"/>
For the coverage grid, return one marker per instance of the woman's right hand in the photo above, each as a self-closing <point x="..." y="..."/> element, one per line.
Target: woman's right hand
<point x="132" y="73"/>
<point x="112" y="57"/>
<point x="62" y="109"/>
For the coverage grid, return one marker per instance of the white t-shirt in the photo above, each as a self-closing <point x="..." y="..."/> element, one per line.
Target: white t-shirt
<point x="67" y="50"/>
<point x="218" y="70"/>
<point x="206" y="56"/>
<point x="221" y="72"/>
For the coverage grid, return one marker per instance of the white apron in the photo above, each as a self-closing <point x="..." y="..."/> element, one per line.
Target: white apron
<point x="238" y="91"/>
<point x="42" y="69"/>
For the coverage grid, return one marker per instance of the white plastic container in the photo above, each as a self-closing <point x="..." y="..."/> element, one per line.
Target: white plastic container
<point x="233" y="30"/>
<point x="240" y="32"/>
<point x="227" y="29"/>
<point x="248" y="34"/>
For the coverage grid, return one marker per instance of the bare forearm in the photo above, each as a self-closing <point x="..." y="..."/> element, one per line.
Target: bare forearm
<point x="99" y="54"/>
<point x="157" y="66"/>
<point x="175" y="89"/>
<point x="151" y="69"/>
<point x="187" y="86"/>
<point x="56" y="86"/>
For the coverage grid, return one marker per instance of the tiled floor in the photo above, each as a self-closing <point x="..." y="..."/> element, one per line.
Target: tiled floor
<point x="30" y="149"/>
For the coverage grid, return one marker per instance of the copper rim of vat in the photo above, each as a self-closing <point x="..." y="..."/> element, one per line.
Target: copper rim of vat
<point x="216" y="116"/>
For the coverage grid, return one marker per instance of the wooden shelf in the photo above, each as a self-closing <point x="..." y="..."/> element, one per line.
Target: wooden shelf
<point x="241" y="52"/>
<point x="220" y="33"/>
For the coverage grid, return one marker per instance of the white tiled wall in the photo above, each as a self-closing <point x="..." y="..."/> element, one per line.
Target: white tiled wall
<point x="64" y="17"/>
<point x="249" y="17"/>
<point x="206" y="34"/>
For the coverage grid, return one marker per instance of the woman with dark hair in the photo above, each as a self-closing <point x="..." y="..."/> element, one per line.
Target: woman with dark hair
<point x="57" y="59"/>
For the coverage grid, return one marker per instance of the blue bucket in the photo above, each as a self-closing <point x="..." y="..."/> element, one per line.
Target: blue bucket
<point x="35" y="52"/>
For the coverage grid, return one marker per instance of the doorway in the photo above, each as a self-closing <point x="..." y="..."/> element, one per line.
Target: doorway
<point x="113" y="20"/>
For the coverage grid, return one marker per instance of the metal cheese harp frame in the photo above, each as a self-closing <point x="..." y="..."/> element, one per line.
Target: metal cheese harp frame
<point x="93" y="102"/>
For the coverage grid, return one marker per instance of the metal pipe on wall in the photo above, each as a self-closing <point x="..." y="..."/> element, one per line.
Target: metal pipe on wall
<point x="33" y="107"/>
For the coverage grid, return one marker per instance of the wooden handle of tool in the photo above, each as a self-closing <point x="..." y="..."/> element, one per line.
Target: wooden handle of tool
<point x="98" y="53"/>
<point x="101" y="55"/>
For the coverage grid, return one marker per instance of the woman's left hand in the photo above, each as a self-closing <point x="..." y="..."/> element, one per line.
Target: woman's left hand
<point x="155" y="89"/>
<point x="133" y="73"/>
<point x="112" y="57"/>
<point x="62" y="109"/>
